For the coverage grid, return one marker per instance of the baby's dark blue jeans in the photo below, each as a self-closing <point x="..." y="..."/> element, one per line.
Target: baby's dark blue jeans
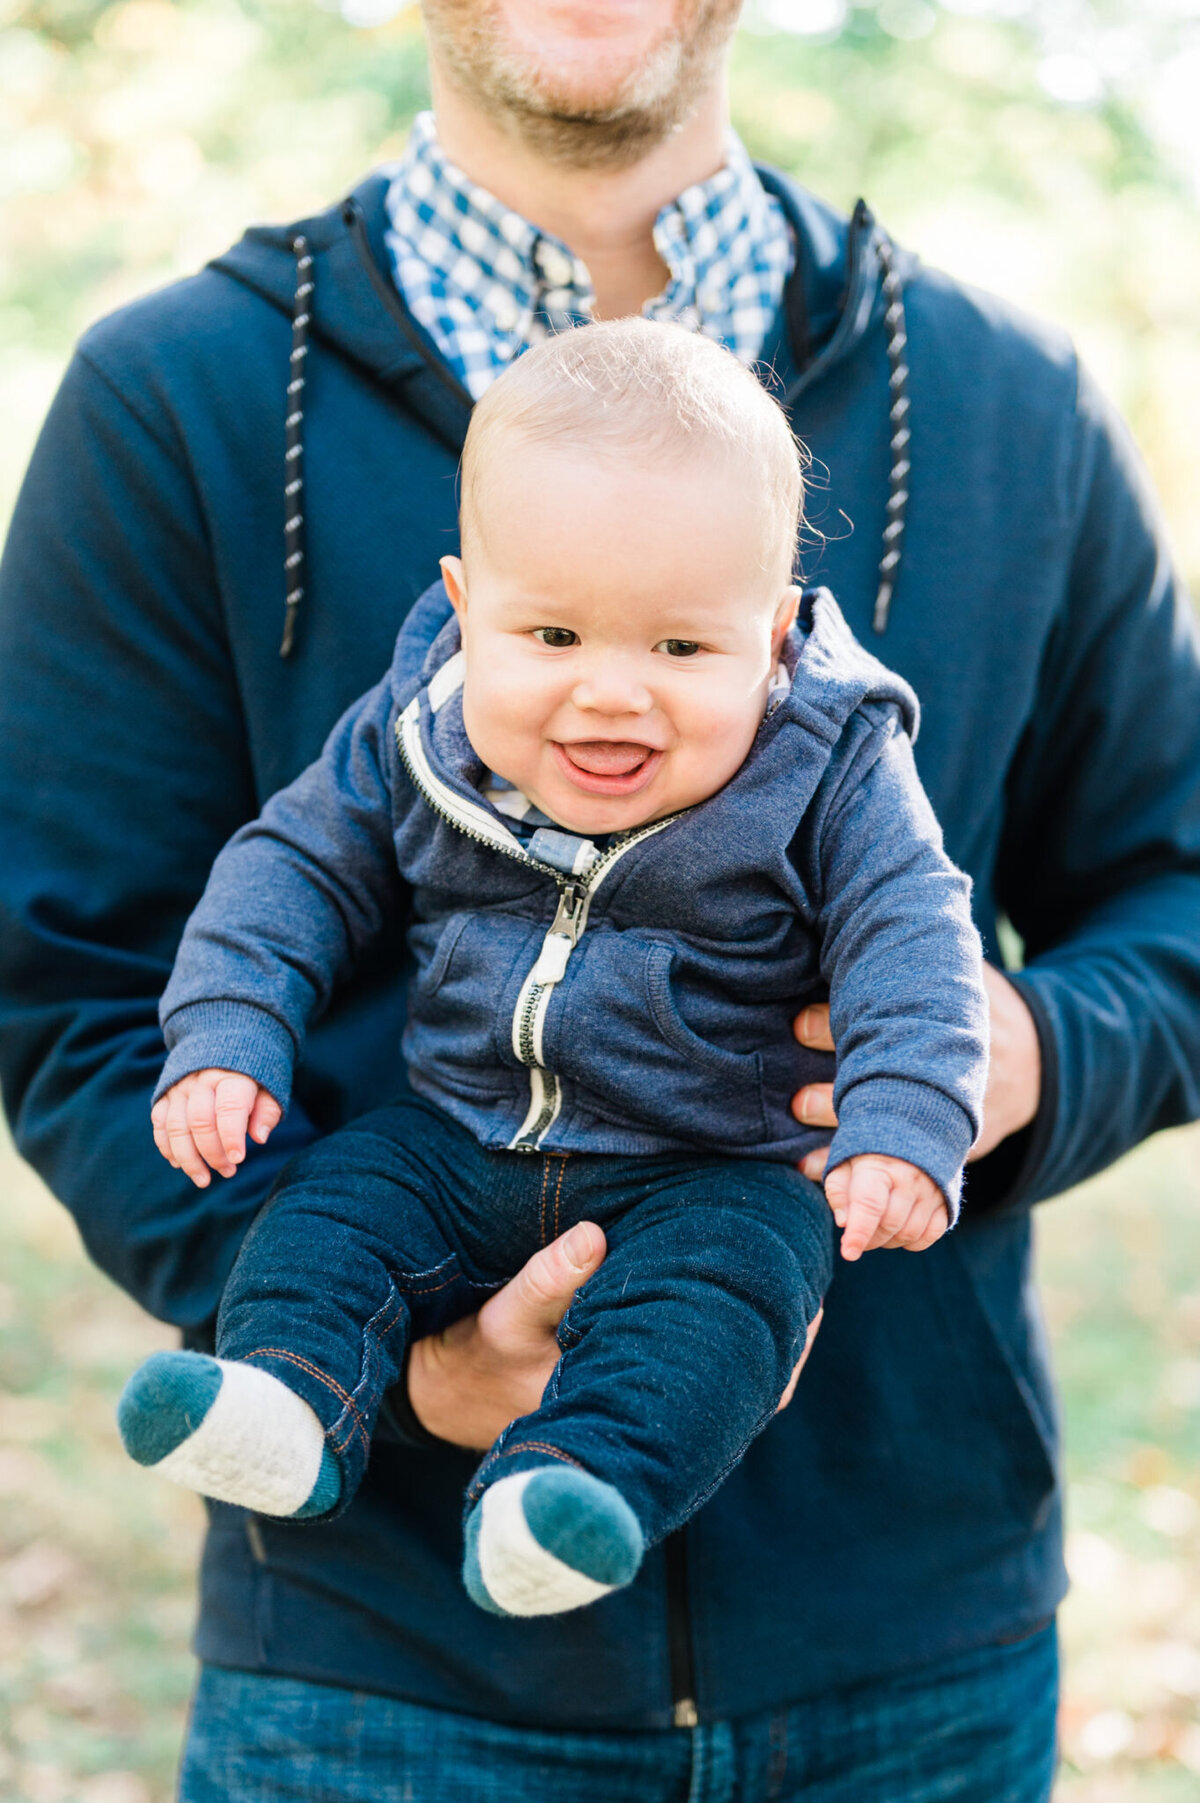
<point x="674" y="1355"/>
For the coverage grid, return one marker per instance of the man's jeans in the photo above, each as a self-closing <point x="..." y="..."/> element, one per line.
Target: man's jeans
<point x="675" y="1353"/>
<point x="979" y="1728"/>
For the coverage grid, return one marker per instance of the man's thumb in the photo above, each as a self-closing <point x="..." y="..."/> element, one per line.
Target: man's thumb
<point x="540" y="1294"/>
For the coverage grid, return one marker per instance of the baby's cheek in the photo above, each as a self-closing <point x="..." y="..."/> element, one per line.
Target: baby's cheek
<point x="716" y="746"/>
<point x="497" y="720"/>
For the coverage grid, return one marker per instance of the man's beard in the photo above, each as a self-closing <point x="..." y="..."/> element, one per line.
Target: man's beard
<point x="607" y="130"/>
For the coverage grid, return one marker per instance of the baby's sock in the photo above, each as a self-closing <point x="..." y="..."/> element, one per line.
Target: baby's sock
<point x="547" y="1540"/>
<point x="230" y="1431"/>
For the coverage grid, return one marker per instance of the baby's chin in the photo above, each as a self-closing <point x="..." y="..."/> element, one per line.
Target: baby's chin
<point x="593" y="816"/>
<point x="592" y="819"/>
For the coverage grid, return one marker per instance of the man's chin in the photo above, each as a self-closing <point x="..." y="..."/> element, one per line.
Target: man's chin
<point x="604" y="94"/>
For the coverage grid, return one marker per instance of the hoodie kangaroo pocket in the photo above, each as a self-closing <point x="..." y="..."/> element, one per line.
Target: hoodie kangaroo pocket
<point x="461" y="1000"/>
<point x="722" y="1090"/>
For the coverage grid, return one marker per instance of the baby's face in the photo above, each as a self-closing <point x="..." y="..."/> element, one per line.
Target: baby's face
<point x="619" y="632"/>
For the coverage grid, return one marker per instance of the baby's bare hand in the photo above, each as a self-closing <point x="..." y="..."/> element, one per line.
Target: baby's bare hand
<point x="879" y="1201"/>
<point x="203" y="1119"/>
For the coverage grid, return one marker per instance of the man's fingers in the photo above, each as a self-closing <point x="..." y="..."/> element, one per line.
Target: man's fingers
<point x="811" y="1027"/>
<point x="813" y="1165"/>
<point x="265" y="1117"/>
<point x="538" y="1297"/>
<point x="794" y="1379"/>
<point x="813" y="1105"/>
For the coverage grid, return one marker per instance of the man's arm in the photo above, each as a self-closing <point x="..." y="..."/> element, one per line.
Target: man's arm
<point x="124" y="770"/>
<point x="1099" y="866"/>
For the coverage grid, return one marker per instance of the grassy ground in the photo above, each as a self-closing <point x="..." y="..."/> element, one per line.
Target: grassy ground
<point x="96" y="1562"/>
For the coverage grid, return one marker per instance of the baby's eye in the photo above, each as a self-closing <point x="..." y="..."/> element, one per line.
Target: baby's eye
<point x="557" y="637"/>
<point x="678" y="647"/>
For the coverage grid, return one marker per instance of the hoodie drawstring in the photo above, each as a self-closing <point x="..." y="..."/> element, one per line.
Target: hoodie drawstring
<point x="293" y="531"/>
<point x="897" y="502"/>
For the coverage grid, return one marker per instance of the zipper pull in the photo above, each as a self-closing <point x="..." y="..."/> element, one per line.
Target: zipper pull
<point x="561" y="940"/>
<point x="552" y="959"/>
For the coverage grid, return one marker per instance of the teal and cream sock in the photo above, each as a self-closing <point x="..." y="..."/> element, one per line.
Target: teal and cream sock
<point x="230" y="1431"/>
<point x="544" y="1541"/>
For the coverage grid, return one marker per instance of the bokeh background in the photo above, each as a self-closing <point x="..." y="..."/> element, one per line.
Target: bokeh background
<point x="1049" y="149"/>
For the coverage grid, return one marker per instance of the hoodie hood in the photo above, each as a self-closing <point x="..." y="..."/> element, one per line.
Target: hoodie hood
<point x="331" y="273"/>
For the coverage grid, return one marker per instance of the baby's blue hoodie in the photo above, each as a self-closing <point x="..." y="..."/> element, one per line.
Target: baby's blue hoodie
<point x="644" y="1002"/>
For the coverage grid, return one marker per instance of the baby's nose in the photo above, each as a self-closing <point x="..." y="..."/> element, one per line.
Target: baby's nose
<point x="612" y="692"/>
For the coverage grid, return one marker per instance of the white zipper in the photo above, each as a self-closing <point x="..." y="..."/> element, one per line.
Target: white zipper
<point x="565" y="932"/>
<point x="533" y="1001"/>
<point x="467" y="816"/>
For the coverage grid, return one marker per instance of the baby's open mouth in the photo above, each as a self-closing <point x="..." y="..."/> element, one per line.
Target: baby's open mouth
<point x="607" y="766"/>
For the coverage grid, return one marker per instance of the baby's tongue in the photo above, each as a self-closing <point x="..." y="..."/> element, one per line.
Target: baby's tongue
<point x="607" y="757"/>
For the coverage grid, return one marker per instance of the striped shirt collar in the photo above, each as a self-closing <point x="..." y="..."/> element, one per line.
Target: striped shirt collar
<point x="486" y="284"/>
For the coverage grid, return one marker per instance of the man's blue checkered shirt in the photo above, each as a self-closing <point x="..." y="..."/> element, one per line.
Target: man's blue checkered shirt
<point x="486" y="284"/>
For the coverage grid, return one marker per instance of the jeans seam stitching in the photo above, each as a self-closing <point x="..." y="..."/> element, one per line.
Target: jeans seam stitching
<point x="330" y="1383"/>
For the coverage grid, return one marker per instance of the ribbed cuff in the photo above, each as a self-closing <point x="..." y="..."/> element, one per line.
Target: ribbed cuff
<point x="913" y="1121"/>
<point x="229" y="1036"/>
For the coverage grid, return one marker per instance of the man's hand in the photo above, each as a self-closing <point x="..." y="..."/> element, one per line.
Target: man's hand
<point x="467" y="1384"/>
<point x="880" y="1201"/>
<point x="203" y="1119"/>
<point x="1014" y="1084"/>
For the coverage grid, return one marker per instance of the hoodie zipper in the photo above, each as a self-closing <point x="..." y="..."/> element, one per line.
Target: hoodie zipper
<point x="574" y="901"/>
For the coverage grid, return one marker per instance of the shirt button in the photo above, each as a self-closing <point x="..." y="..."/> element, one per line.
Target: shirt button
<point x="556" y="266"/>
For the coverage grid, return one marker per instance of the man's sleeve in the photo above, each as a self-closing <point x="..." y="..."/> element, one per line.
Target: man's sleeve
<point x="904" y="967"/>
<point x="1099" y="868"/>
<point x="292" y="900"/>
<point x="123" y="770"/>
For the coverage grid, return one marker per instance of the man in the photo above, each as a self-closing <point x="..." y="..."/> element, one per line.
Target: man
<point x="1004" y="558"/>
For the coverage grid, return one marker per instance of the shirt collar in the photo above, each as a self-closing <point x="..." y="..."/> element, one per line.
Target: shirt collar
<point x="474" y="270"/>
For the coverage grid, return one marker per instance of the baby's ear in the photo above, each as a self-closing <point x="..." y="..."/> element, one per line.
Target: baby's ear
<point x="456" y="583"/>
<point x="785" y="618"/>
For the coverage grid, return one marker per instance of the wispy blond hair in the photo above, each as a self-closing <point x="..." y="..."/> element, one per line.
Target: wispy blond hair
<point x="634" y="387"/>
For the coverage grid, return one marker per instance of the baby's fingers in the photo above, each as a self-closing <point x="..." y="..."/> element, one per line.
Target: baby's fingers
<point x="202" y="1121"/>
<point x="234" y="1098"/>
<point x="158" y="1126"/>
<point x="868" y="1195"/>
<point x="926" y="1224"/>
<point x="265" y="1117"/>
<point x="182" y="1147"/>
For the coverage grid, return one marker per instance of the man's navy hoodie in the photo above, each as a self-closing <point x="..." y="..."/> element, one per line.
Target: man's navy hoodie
<point x="906" y="1505"/>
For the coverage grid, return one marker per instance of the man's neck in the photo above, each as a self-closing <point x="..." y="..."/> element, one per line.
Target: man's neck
<point x="606" y="216"/>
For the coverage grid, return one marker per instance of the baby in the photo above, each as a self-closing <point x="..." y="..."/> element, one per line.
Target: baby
<point x="635" y="803"/>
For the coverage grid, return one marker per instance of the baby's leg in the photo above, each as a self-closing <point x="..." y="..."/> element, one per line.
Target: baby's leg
<point x="676" y="1354"/>
<point x="353" y="1246"/>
